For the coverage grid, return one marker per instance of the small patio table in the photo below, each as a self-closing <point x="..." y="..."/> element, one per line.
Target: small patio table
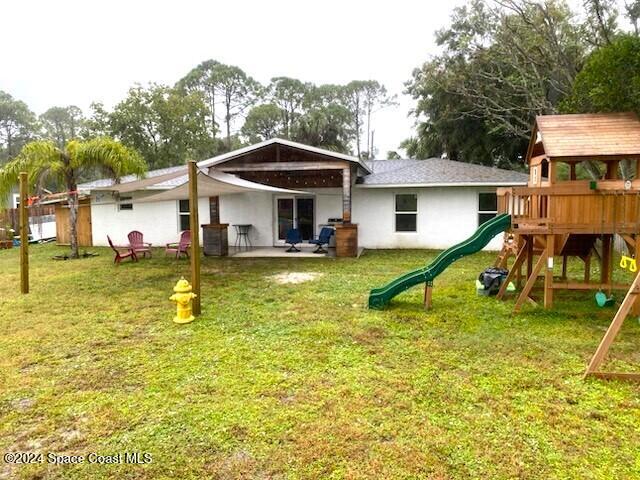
<point x="242" y="235"/>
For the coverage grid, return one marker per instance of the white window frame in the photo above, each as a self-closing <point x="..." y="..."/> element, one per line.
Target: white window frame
<point x="480" y="212"/>
<point x="126" y="200"/>
<point x="16" y="200"/>
<point x="182" y="214"/>
<point x="396" y="213"/>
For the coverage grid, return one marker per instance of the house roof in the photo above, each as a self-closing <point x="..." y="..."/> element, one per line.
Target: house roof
<point x="438" y="172"/>
<point x="288" y="143"/>
<point x="161" y="172"/>
<point x="431" y="172"/>
<point x="589" y="135"/>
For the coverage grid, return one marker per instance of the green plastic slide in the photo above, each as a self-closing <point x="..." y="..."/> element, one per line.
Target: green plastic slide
<point x="379" y="297"/>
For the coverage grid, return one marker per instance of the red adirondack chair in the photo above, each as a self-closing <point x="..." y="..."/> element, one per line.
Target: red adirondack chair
<point x="137" y="243"/>
<point x="120" y="254"/>
<point x="181" y="247"/>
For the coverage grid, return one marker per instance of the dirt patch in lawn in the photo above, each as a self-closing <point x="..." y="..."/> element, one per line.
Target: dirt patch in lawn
<point x="294" y="277"/>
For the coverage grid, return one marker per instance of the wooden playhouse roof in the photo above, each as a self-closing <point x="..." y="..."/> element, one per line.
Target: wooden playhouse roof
<point x="602" y="135"/>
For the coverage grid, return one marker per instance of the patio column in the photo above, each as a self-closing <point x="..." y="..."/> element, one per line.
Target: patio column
<point x="347" y="232"/>
<point x="214" y="235"/>
<point x="214" y="209"/>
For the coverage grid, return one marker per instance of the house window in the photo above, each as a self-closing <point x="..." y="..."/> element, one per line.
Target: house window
<point x="487" y="207"/>
<point x="406" y="212"/>
<point x="124" y="203"/>
<point x="184" y="220"/>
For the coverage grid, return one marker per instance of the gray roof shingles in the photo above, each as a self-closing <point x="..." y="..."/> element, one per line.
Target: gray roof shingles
<point x="107" y="182"/>
<point x="432" y="171"/>
<point x="438" y="171"/>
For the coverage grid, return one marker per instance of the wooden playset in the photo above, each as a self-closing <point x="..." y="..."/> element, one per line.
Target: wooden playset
<point x="559" y="215"/>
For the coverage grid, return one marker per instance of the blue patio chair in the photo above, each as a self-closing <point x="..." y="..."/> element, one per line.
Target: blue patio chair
<point x="293" y="238"/>
<point x="323" y="239"/>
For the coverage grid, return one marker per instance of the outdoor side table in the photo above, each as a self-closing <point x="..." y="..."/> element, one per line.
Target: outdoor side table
<point x="242" y="235"/>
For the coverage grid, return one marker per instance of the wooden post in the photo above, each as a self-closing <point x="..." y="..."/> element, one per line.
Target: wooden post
<point x="524" y="295"/>
<point x="515" y="269"/>
<point x="195" y="235"/>
<point x="428" y="294"/>
<point x="587" y="268"/>
<point x="346" y="195"/>
<point x="531" y="240"/>
<point x="519" y="277"/>
<point x="214" y="210"/>
<point x="564" y="267"/>
<point x="24" y="234"/>
<point x="548" y="273"/>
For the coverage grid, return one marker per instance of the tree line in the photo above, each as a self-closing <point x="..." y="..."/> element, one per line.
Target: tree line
<point x="503" y="62"/>
<point x="213" y="109"/>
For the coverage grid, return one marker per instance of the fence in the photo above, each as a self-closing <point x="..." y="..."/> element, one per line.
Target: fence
<point x="10" y="217"/>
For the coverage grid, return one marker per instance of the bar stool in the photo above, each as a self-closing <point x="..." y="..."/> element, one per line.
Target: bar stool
<point x="242" y="234"/>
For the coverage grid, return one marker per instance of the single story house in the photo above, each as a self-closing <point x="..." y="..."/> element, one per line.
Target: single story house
<point x="278" y="184"/>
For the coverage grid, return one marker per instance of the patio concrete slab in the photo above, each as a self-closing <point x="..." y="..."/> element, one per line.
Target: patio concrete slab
<point x="278" y="252"/>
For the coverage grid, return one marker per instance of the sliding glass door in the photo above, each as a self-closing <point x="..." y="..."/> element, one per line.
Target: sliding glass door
<point x="294" y="212"/>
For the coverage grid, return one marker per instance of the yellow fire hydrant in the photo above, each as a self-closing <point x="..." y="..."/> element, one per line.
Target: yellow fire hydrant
<point x="183" y="298"/>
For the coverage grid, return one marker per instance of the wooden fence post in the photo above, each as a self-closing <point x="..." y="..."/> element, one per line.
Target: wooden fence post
<point x="195" y="235"/>
<point x="24" y="234"/>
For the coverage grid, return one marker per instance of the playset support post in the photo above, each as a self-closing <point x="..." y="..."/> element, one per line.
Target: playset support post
<point x="548" y="273"/>
<point x="531" y="280"/>
<point x="515" y="269"/>
<point x="428" y="295"/>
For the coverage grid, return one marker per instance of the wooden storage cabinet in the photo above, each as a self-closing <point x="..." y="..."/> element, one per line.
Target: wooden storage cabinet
<point x="347" y="240"/>
<point x="215" y="241"/>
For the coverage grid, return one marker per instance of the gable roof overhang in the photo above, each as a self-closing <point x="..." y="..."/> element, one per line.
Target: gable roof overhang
<point x="321" y="152"/>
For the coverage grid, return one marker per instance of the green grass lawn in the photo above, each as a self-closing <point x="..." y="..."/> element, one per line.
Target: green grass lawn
<point x="302" y="381"/>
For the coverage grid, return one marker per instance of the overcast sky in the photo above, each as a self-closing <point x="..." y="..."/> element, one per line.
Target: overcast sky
<point x="58" y="53"/>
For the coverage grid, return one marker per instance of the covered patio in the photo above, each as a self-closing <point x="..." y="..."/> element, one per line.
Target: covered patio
<point x="323" y="180"/>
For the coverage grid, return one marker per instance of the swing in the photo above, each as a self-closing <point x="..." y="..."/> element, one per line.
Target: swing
<point x="602" y="300"/>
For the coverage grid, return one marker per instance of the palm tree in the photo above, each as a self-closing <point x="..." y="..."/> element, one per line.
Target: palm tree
<point x="48" y="164"/>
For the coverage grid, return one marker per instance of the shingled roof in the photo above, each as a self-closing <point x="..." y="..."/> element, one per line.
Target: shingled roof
<point x="589" y="135"/>
<point x="431" y="172"/>
<point x="108" y="182"/>
<point x="434" y="172"/>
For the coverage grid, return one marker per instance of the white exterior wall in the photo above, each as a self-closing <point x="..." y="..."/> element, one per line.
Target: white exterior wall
<point x="158" y="221"/>
<point x="446" y="216"/>
<point x="259" y="210"/>
<point x="255" y="208"/>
